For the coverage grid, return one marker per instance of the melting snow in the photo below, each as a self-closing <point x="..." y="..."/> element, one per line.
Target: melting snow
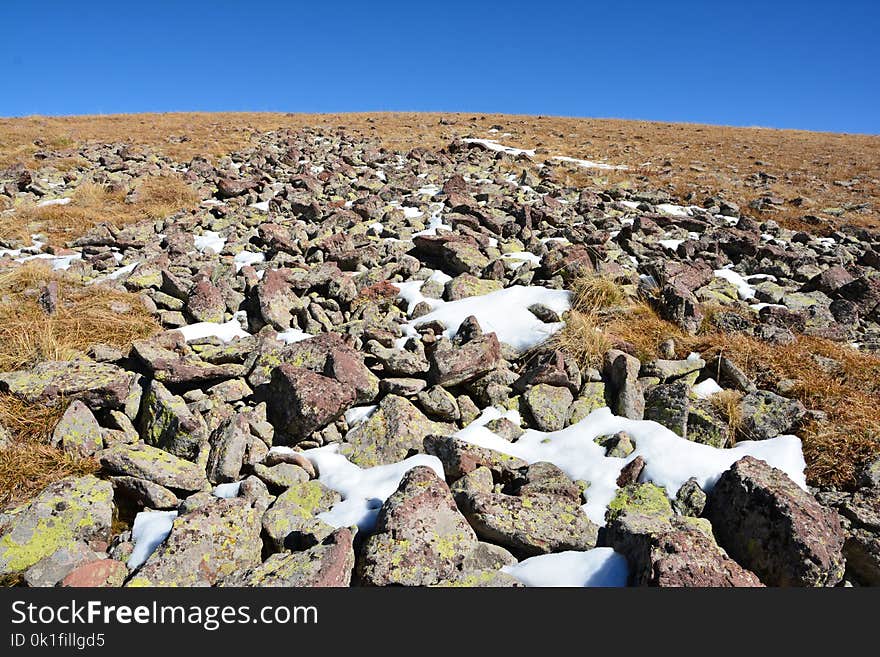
<point x="363" y="490"/>
<point x="225" y="332"/>
<point x="357" y="414"/>
<point x="588" y="164"/>
<point x="744" y="290"/>
<point x="598" y="567"/>
<point x="292" y="335"/>
<point x="210" y="240"/>
<point x="506" y="312"/>
<point x="247" y="258"/>
<point x="227" y="490"/>
<point x="493" y="145"/>
<point x="671" y="460"/>
<point x="521" y="257"/>
<point x="706" y="388"/>
<point x="54" y="201"/>
<point x="150" y="528"/>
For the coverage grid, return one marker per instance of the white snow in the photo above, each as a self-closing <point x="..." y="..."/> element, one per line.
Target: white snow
<point x="521" y="257"/>
<point x="210" y="240"/>
<point x="262" y="206"/>
<point x="122" y="271"/>
<point x="589" y="164"/>
<point x="632" y="205"/>
<point x="54" y="201"/>
<point x="244" y="258"/>
<point x="672" y="245"/>
<point x="226" y="331"/>
<point x="597" y="567"/>
<point x="504" y="312"/>
<point x="493" y="145"/>
<point x="357" y="414"/>
<point x="743" y="289"/>
<point x="150" y="528"/>
<point x="227" y="490"/>
<point x="58" y="262"/>
<point x="671" y="460"/>
<point x="434" y="222"/>
<point x="429" y="190"/>
<point x="674" y="210"/>
<point x="707" y="388"/>
<point x="292" y="335"/>
<point x="411" y="212"/>
<point x="363" y="490"/>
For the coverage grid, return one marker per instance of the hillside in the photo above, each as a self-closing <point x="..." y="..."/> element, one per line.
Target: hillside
<point x="425" y="349"/>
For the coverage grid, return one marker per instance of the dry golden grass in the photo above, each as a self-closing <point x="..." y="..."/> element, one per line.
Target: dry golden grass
<point x="92" y="204"/>
<point x="727" y="404"/>
<point x="594" y="293"/>
<point x="85" y="315"/>
<point x="742" y="164"/>
<point x="847" y="393"/>
<point x="28" y="463"/>
<point x="583" y="339"/>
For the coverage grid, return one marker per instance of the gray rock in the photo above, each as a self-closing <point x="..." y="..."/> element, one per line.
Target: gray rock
<point x="328" y="564"/>
<point x="666" y="550"/>
<point x="205" y="546"/>
<point x="154" y="465"/>
<point x="420" y="537"/>
<point x="78" y="432"/>
<point x="548" y="406"/>
<point x="67" y="512"/>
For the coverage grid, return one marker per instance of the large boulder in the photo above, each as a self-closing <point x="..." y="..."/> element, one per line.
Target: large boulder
<point x="98" y="385"/>
<point x="167" y="423"/>
<point x="205" y="546"/>
<point x="452" y="365"/>
<point x="78" y="432"/>
<point x="664" y="549"/>
<point x="292" y="523"/>
<point x="153" y="464"/>
<point x="300" y="401"/>
<point x="775" y="528"/>
<point x="68" y="512"/>
<point x="766" y="414"/>
<point x="420" y="538"/>
<point x="531" y="523"/>
<point x="862" y="547"/>
<point x="390" y="434"/>
<point x="328" y="564"/>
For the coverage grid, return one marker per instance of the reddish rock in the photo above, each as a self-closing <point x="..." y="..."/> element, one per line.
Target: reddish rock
<point x="103" y="572"/>
<point x="452" y="365"/>
<point x="205" y="303"/>
<point x="301" y="401"/>
<point x="775" y="528"/>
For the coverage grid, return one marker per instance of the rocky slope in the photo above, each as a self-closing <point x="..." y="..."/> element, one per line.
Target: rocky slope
<point x="357" y="382"/>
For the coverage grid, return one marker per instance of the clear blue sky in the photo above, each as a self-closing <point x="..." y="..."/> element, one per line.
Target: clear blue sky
<point x="778" y="63"/>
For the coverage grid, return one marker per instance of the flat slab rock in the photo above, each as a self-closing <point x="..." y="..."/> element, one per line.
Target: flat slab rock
<point x="98" y="385"/>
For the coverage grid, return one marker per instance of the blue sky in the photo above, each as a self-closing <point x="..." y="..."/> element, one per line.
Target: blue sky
<point x="812" y="65"/>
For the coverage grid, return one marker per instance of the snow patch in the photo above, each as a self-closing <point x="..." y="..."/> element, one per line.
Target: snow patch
<point x="504" y="312"/>
<point x="150" y="528"/>
<point x="671" y="460"/>
<point x="597" y="567"/>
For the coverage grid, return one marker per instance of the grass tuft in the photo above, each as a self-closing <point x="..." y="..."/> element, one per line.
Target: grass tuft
<point x="92" y="204"/>
<point x="85" y="315"/>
